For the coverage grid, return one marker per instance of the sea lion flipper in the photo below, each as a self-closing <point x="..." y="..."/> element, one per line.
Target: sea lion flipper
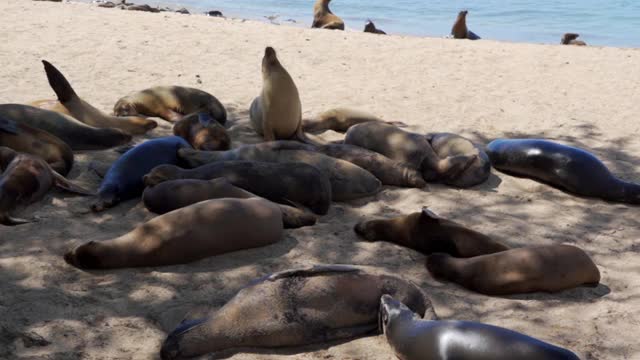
<point x="8" y="220"/>
<point x="64" y="183"/>
<point x="58" y="83"/>
<point x="9" y="126"/>
<point x="472" y="36"/>
<point x="313" y="270"/>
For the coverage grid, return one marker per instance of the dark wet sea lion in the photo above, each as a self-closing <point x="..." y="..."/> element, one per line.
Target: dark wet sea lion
<point x="413" y="338"/>
<point x="77" y="135"/>
<point x="323" y="17"/>
<point x="550" y="268"/>
<point x="175" y="194"/>
<point x="294" y="308"/>
<point x="202" y="132"/>
<point x="565" y="167"/>
<point x="26" y="139"/>
<point x="460" y="30"/>
<point x="26" y="179"/>
<point x="450" y="145"/>
<point x="69" y="103"/>
<point x="570" y="39"/>
<point x="123" y="181"/>
<point x="195" y="232"/>
<point x="428" y="233"/>
<point x="370" y="27"/>
<point x="283" y="183"/>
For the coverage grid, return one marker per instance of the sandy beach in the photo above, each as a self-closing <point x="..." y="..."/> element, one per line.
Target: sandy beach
<point x="582" y="96"/>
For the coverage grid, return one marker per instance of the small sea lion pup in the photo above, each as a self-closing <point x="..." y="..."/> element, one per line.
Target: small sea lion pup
<point x="449" y="145"/>
<point x="77" y="135"/>
<point x="294" y="308"/>
<point x="26" y="179"/>
<point x="323" y="17"/>
<point x="570" y="39"/>
<point x="428" y="233"/>
<point x="202" y="132"/>
<point x="124" y="181"/>
<point x="459" y="29"/>
<point x="24" y="138"/>
<point x="170" y="103"/>
<point x="176" y="194"/>
<point x="370" y="27"/>
<point x="565" y="167"/>
<point x="413" y="338"/>
<point x="201" y="230"/>
<point x="550" y="268"/>
<point x="69" y="103"/>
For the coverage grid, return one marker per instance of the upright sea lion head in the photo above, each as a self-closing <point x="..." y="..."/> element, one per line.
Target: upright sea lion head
<point x="462" y="14"/>
<point x="162" y="173"/>
<point x="270" y="60"/>
<point x="392" y="310"/>
<point x="6" y="156"/>
<point x="566" y="38"/>
<point x="369" y="26"/>
<point x="86" y="256"/>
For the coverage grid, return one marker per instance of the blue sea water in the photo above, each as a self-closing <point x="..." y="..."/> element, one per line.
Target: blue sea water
<point x="599" y="22"/>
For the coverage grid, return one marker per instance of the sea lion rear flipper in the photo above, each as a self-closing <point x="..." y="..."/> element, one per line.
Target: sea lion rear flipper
<point x="9" y="126"/>
<point x="313" y="270"/>
<point x="58" y="83"/>
<point x="8" y="220"/>
<point x="63" y="183"/>
<point x="472" y="36"/>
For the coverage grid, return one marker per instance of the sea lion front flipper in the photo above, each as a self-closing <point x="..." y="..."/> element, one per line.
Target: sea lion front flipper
<point x="63" y="183"/>
<point x="472" y="36"/>
<point x="9" y="126"/>
<point x="58" y="83"/>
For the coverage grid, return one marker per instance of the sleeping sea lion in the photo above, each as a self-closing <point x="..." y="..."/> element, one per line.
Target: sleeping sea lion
<point x="296" y="307"/>
<point x="69" y="103"/>
<point x="413" y="338"/>
<point x="370" y="27"/>
<point x="201" y="230"/>
<point x="448" y="145"/>
<point x="459" y="29"/>
<point x="428" y="233"/>
<point x="170" y="103"/>
<point x="338" y="119"/>
<point x="549" y="268"/>
<point x="323" y="17"/>
<point x="202" y="132"/>
<point x="570" y="39"/>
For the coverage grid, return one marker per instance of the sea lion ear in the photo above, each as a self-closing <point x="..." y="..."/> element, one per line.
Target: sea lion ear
<point x="428" y="214"/>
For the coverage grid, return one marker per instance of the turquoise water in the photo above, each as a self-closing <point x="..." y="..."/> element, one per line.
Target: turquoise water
<point x="599" y="22"/>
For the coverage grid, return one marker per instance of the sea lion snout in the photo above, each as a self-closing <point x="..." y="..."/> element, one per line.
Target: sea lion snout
<point x="269" y="53"/>
<point x="369" y="230"/>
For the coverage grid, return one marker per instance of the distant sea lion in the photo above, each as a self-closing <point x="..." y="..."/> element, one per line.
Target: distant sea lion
<point x="323" y="17"/>
<point x="413" y="338"/>
<point x="293" y="308"/>
<point x="428" y="233"/>
<point x="565" y="167"/>
<point x="570" y="39"/>
<point x="370" y="27"/>
<point x="283" y="183"/>
<point x="459" y="29"/>
<point x="26" y="179"/>
<point x="176" y="194"/>
<point x="338" y="119"/>
<point x="202" y="132"/>
<point x="77" y="135"/>
<point x="550" y="268"/>
<point x="348" y="181"/>
<point x="25" y="139"/>
<point x="69" y="103"/>
<point x="195" y="232"/>
<point x="170" y="103"/>
<point x="123" y="181"/>
<point x="450" y="145"/>
<point x="408" y="148"/>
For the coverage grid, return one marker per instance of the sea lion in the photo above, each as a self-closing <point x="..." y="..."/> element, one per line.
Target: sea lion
<point x="26" y="179"/>
<point x="201" y="230"/>
<point x="283" y="183"/>
<point x="449" y="145"/>
<point x="459" y="29"/>
<point x="338" y="119"/>
<point x="348" y="181"/>
<point x="296" y="307"/>
<point x="370" y="27"/>
<point x="69" y="103"/>
<point x="25" y="139"/>
<point x="570" y="39"/>
<point x="77" y="135"/>
<point x="428" y="233"/>
<point x="564" y="167"/>
<point x="413" y="338"/>
<point x="202" y="132"/>
<point x="176" y="194"/>
<point x="323" y="18"/>
<point x="123" y="181"/>
<point x="408" y="148"/>
<point x="549" y="268"/>
<point x="170" y="103"/>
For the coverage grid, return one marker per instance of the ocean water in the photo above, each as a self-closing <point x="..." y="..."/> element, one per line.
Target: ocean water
<point x="599" y="22"/>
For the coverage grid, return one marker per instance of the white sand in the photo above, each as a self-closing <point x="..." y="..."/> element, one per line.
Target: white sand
<point x="587" y="97"/>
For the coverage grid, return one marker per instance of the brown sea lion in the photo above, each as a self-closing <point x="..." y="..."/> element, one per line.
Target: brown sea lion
<point x="202" y="132"/>
<point x="26" y="179"/>
<point x="283" y="183"/>
<point x="459" y="29"/>
<point x="176" y="194"/>
<point x="25" y="139"/>
<point x="570" y="39"/>
<point x="428" y="233"/>
<point x="296" y="307"/>
<point x="170" y="103"/>
<point x="77" y="135"/>
<point x="323" y="18"/>
<point x="549" y="268"/>
<point x="370" y="27"/>
<point x="201" y="230"/>
<point x="448" y="145"/>
<point x="69" y="103"/>
<point x="338" y="119"/>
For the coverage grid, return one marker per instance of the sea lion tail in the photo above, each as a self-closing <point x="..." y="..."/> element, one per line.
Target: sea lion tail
<point x="58" y="83"/>
<point x="63" y="183"/>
